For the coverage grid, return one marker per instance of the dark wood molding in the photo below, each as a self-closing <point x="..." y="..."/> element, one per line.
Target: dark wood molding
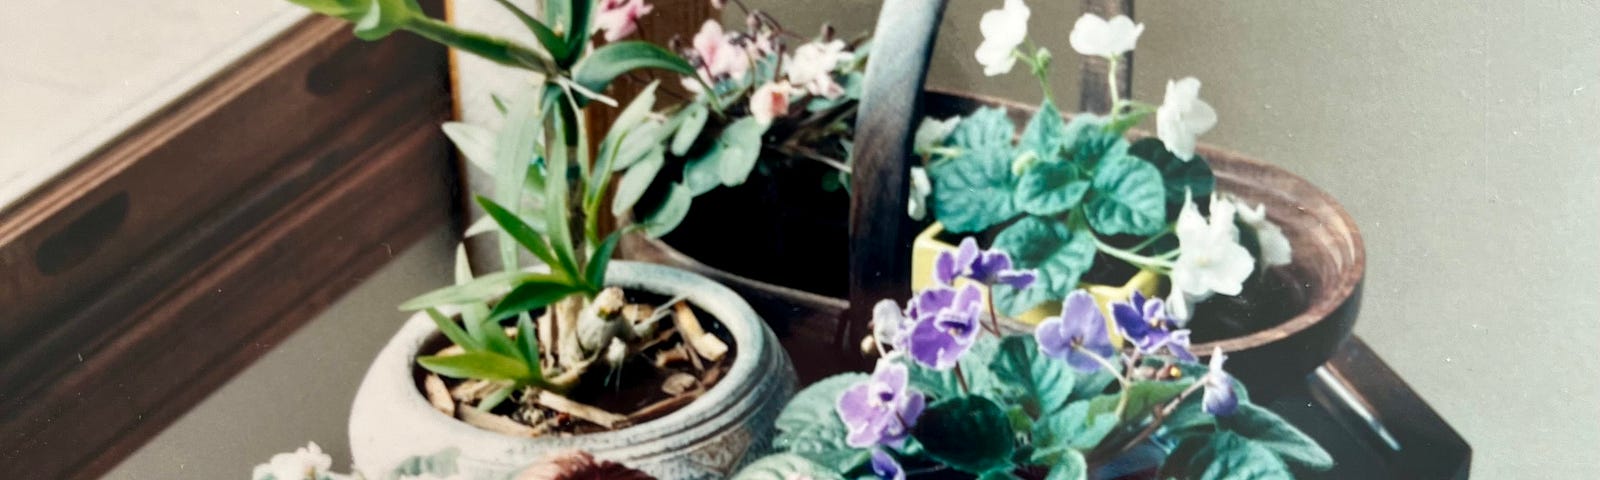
<point x="166" y="262"/>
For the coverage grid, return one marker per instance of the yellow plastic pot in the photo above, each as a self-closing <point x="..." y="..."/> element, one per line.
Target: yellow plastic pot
<point x="927" y="247"/>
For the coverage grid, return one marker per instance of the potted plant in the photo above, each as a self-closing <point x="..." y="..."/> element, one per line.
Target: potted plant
<point x="1097" y="206"/>
<point x="951" y="398"/>
<point x="654" y="366"/>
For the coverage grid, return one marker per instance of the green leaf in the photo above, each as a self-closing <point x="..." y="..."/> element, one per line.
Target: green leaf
<point x="809" y="426"/>
<point x="556" y="190"/>
<point x="635" y="113"/>
<point x="531" y="295"/>
<point x="1072" y="428"/>
<point x="473" y="314"/>
<point x="998" y="474"/>
<point x="452" y="331"/>
<point x="582" y="14"/>
<point x="528" y="345"/>
<point x="479" y="290"/>
<point x="1177" y="175"/>
<point x="638" y="144"/>
<point x="1272" y="432"/>
<point x="786" y="466"/>
<point x="671" y="212"/>
<point x="608" y="62"/>
<point x="515" y="147"/>
<point x="969" y="433"/>
<point x="1047" y="383"/>
<point x="973" y="190"/>
<point x="986" y="129"/>
<point x="475" y="142"/>
<point x="595" y="277"/>
<point x="975" y="366"/>
<point x="1224" y="456"/>
<point x="477" y="365"/>
<point x="1091" y="143"/>
<point x="694" y="119"/>
<point x="383" y="17"/>
<point x="1060" y="254"/>
<point x="1050" y="188"/>
<point x="347" y="9"/>
<point x="1046" y="134"/>
<point x="740" y="146"/>
<point x="1071" y="466"/>
<point x="523" y="233"/>
<point x="1128" y="197"/>
<point x="636" y="180"/>
<point x="547" y="38"/>
<point x="1143" y="398"/>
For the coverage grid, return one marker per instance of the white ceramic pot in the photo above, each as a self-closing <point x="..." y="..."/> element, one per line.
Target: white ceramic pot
<point x="709" y="438"/>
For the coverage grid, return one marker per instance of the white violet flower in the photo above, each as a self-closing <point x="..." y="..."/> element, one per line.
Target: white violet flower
<point x="305" y="463"/>
<point x="931" y="133"/>
<point x="917" y="205"/>
<point x="770" y="101"/>
<point x="1178" y="307"/>
<point x="1275" y="248"/>
<point x="1210" y="259"/>
<point x="1096" y="37"/>
<point x="1183" y="117"/>
<point x="812" y="65"/>
<point x="1003" y="30"/>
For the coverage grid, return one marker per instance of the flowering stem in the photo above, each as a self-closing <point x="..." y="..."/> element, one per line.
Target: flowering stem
<point x="1159" y="262"/>
<point x="994" y="318"/>
<point x="1122" y="401"/>
<point x="1038" y="72"/>
<point x="809" y="154"/>
<point x="1111" y="83"/>
<point x="1152" y="240"/>
<point x="1160" y="416"/>
<point x="962" y="380"/>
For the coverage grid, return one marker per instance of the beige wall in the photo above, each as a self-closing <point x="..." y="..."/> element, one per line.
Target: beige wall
<point x="1462" y="136"/>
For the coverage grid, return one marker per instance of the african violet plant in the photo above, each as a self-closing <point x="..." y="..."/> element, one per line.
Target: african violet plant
<point x="1065" y="191"/>
<point x="1062" y="403"/>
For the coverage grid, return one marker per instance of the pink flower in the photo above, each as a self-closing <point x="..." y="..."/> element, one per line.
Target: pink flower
<point x="717" y="53"/>
<point x="620" y="18"/>
<point x="770" y="101"/>
<point x="812" y="67"/>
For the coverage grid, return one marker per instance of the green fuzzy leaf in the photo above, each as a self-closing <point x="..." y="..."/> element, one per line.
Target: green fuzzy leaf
<point x="969" y="433"/>
<point x="452" y="331"/>
<point x="479" y="290"/>
<point x="1177" y="176"/>
<point x="1046" y="134"/>
<point x="636" y="180"/>
<point x="531" y="295"/>
<point x="1060" y="254"/>
<point x="1224" y="456"/>
<point x="1071" y="466"/>
<point x="986" y="129"/>
<point x="595" y="277"/>
<point x="1272" y="432"/>
<point x="810" y="427"/>
<point x="694" y="120"/>
<point x="477" y="365"/>
<point x="1128" y="197"/>
<point x="1091" y="143"/>
<point x="1072" y="428"/>
<point x="1046" y="383"/>
<point x="975" y="366"/>
<point x="671" y="212"/>
<point x="1050" y="188"/>
<point x="786" y="466"/>
<point x="1143" y="398"/>
<point x="973" y="191"/>
<point x="607" y="63"/>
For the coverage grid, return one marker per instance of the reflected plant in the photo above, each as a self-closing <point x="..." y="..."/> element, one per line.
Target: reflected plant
<point x="1062" y="403"/>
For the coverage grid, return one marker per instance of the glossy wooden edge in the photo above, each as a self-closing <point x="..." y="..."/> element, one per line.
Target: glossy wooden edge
<point x="132" y="347"/>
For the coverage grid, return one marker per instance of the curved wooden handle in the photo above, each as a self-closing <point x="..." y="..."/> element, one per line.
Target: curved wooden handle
<point x="880" y="230"/>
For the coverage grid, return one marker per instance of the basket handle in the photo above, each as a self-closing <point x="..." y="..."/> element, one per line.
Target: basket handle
<point x="890" y="110"/>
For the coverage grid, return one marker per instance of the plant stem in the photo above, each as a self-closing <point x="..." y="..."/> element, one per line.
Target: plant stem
<point x="961" y="379"/>
<point x="1141" y="261"/>
<point x="809" y="154"/>
<point x="994" y="317"/>
<point x="1152" y="240"/>
<point x="1159" y="417"/>
<point x="1111" y="84"/>
<point x="1122" y="401"/>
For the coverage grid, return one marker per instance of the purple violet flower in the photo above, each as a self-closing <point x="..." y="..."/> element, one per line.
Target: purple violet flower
<point x="884" y="466"/>
<point x="1144" y="322"/>
<point x="947" y="324"/>
<point x="1219" y="398"/>
<point x="988" y="267"/>
<point x="1078" y="335"/>
<point x="882" y="409"/>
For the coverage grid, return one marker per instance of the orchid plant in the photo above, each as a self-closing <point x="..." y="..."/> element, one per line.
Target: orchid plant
<point x="949" y="394"/>
<point x="1067" y="191"/>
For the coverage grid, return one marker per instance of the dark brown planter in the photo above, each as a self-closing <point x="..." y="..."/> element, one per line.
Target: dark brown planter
<point x="1329" y="262"/>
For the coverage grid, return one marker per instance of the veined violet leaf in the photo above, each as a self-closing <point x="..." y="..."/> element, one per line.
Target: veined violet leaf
<point x="969" y="433"/>
<point x="1059" y="253"/>
<point x="1127" y="197"/>
<point x="1050" y="187"/>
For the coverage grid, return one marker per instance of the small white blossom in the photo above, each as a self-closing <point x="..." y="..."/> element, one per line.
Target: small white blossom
<point x="1179" y="309"/>
<point x="1275" y="248"/>
<point x="305" y="463"/>
<point x="931" y="133"/>
<point x="770" y="101"/>
<point x="1183" y="117"/>
<point x="1003" y="30"/>
<point x="917" y="205"/>
<point x="1210" y="258"/>
<point x="812" y="65"/>
<point x="1096" y="37"/>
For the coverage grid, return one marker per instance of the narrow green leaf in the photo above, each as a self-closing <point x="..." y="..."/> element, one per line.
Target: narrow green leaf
<point x="475" y="142"/>
<point x="551" y="42"/>
<point x="597" y="70"/>
<point x="384" y="17"/>
<point x="473" y="314"/>
<point x="556" y="189"/>
<point x="479" y="290"/>
<point x="529" y="296"/>
<point x="582" y="16"/>
<point x="971" y="434"/>
<point x="671" y="212"/>
<point x="694" y="119"/>
<point x="596" y="274"/>
<point x="452" y="331"/>
<point x="496" y="397"/>
<point x="522" y="233"/>
<point x="528" y="345"/>
<point x="516" y="145"/>
<point x="476" y="365"/>
<point x="636" y="180"/>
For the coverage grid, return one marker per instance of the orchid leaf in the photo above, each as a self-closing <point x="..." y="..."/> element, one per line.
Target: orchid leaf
<point x="671" y="212"/>
<point x="531" y="295"/>
<point x="595" y="277"/>
<point x="694" y="119"/>
<point x="634" y="182"/>
<point x="475" y="142"/>
<point x="453" y="331"/>
<point x="523" y="234"/>
<point x="479" y="290"/>
<point x="528" y="345"/>
<point x="597" y="70"/>
<point x="477" y="365"/>
<point x="551" y="42"/>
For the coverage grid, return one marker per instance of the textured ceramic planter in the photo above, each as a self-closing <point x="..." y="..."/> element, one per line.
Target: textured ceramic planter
<point x="709" y="438"/>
